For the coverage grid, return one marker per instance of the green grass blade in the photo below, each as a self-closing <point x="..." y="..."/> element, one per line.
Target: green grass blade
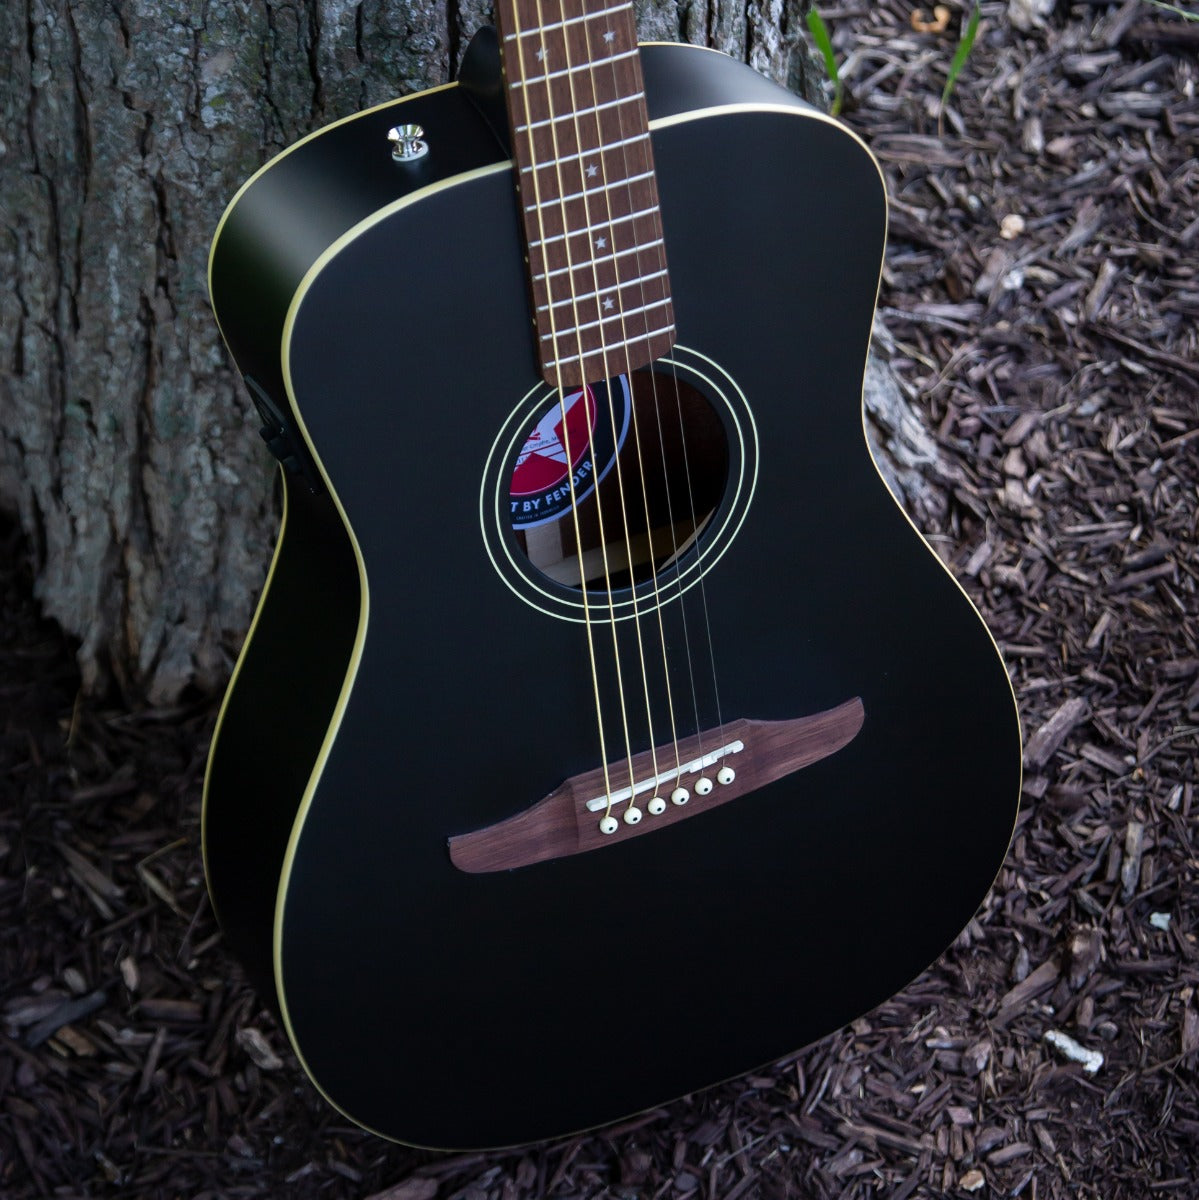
<point x="1181" y="12"/>
<point x="962" y="53"/>
<point x="824" y="44"/>
<point x="959" y="61"/>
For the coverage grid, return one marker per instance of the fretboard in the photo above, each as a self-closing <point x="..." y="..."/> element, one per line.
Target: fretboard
<point x="580" y="137"/>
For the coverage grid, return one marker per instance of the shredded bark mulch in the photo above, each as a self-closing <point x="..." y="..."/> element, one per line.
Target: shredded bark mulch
<point x="1039" y="308"/>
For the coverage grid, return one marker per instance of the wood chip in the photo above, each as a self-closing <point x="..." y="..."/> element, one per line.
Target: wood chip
<point x="1049" y="737"/>
<point x="1043" y="977"/>
<point x="64" y="1014"/>
<point x="253" y="1042"/>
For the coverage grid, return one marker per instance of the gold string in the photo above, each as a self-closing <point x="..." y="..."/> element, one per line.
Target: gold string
<point x="661" y="255"/>
<point x="592" y="230"/>
<point x="557" y="162"/>
<point x="570" y="474"/>
<point x="662" y="448"/>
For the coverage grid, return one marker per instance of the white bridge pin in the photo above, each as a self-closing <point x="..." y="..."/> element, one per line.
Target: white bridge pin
<point x="649" y="787"/>
<point x="726" y="775"/>
<point x="632" y="815"/>
<point x="609" y="825"/>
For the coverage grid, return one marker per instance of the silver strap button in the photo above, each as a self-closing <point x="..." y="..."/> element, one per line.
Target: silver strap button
<point x="407" y="142"/>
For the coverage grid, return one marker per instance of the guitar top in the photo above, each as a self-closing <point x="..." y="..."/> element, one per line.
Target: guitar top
<point x="605" y="730"/>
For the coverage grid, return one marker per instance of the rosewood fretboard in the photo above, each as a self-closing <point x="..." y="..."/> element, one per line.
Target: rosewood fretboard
<point x="580" y="136"/>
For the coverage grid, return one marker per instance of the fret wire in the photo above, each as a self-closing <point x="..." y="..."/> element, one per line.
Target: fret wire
<point x="543" y="29"/>
<point x="605" y="258"/>
<point x="603" y="187"/>
<point x="570" y="116"/>
<point x="610" y="346"/>
<point x="640" y="137"/>
<point x="616" y="287"/>
<point x="616" y="316"/>
<point x="611" y="221"/>
<point x="587" y="66"/>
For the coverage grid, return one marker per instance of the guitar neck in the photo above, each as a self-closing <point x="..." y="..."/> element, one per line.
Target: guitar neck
<point x="580" y="138"/>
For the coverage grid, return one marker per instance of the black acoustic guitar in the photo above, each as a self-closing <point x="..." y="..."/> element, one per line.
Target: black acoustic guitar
<point x="605" y="729"/>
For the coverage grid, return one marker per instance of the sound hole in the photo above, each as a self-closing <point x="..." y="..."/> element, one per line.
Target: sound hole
<point x="648" y="457"/>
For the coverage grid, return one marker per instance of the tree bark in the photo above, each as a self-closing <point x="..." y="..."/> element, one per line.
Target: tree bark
<point x="126" y="127"/>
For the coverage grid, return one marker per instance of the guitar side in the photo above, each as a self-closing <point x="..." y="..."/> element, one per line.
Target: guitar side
<point x="277" y="712"/>
<point x="296" y="662"/>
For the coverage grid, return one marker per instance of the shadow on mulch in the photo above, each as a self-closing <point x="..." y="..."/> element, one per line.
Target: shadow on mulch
<point x="135" y="1061"/>
<point x="1054" y="357"/>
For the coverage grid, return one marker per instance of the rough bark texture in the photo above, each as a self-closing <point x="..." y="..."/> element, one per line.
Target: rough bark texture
<point x="909" y="460"/>
<point x="126" y="127"/>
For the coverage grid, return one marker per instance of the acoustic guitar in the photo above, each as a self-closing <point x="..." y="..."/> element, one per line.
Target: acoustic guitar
<point x="605" y="729"/>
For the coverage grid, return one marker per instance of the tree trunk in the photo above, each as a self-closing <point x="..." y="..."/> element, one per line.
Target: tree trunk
<point x="124" y="440"/>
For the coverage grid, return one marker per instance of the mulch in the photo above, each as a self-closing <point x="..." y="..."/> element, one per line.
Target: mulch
<point x="1039" y="308"/>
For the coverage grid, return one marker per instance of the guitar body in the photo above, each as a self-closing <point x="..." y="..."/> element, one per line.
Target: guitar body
<point x="410" y="678"/>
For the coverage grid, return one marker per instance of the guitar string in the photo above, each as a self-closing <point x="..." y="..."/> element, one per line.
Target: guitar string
<point x="631" y="812"/>
<point x="703" y="590"/>
<point x="698" y="543"/>
<point x="570" y="270"/>
<point x="606" y="219"/>
<point x="574" y="500"/>
<point x="653" y="376"/>
<point x="574" y="508"/>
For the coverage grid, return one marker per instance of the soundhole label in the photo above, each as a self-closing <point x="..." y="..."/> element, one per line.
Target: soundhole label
<point x="627" y="487"/>
<point x="588" y="428"/>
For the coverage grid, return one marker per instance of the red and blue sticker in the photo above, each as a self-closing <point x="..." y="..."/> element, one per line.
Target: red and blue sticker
<point x="579" y="447"/>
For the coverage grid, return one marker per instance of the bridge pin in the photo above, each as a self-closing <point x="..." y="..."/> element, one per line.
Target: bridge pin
<point x="726" y="775"/>
<point x="609" y="825"/>
<point x="680" y="796"/>
<point x="657" y="806"/>
<point x="632" y="815"/>
<point x="703" y="785"/>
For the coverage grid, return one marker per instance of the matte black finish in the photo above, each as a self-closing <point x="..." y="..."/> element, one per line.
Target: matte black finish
<point x="457" y="1010"/>
<point x="274" y="720"/>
